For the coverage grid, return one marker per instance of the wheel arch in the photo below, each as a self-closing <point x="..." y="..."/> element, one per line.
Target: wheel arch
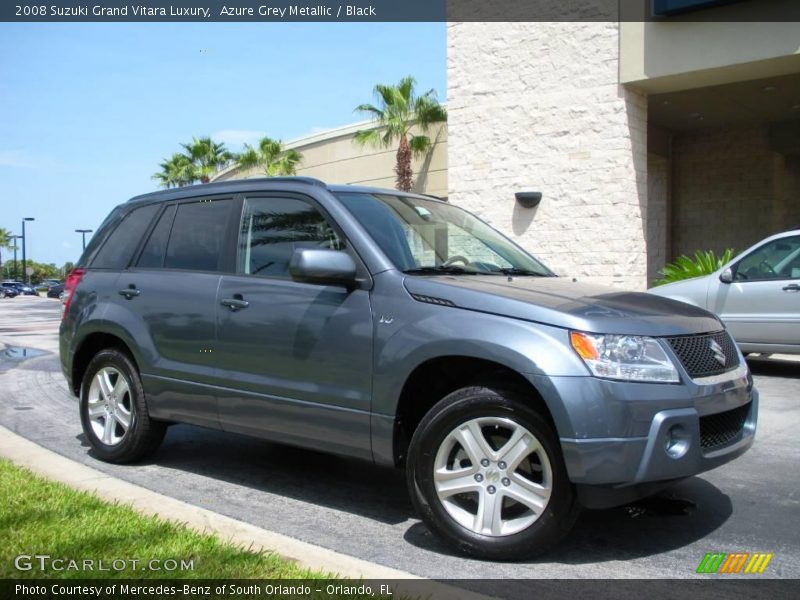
<point x="436" y="377"/>
<point x="88" y="347"/>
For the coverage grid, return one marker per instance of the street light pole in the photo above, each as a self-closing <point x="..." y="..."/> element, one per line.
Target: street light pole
<point x="15" y="238"/>
<point x="83" y="233"/>
<point x="24" y="269"/>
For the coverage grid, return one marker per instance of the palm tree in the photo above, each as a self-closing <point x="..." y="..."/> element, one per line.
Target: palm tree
<point x="207" y="156"/>
<point x="177" y="171"/>
<point x="5" y="242"/>
<point x="271" y="156"/>
<point x="399" y="109"/>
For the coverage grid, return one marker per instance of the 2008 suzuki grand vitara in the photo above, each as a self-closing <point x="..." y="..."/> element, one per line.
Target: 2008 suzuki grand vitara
<point x="400" y="329"/>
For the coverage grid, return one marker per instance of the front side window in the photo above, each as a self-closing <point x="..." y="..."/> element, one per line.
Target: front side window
<point x="420" y="235"/>
<point x="272" y="228"/>
<point x="198" y="236"/>
<point x="778" y="259"/>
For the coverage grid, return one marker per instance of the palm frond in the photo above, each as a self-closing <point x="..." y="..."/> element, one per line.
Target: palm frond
<point x="372" y="110"/>
<point x="420" y="144"/>
<point x="368" y="137"/>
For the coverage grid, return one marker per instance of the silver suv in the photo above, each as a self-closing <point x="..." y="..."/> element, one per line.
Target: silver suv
<point x="399" y="329"/>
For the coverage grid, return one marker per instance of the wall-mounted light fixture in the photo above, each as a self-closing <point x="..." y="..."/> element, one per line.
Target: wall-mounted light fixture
<point x="528" y="199"/>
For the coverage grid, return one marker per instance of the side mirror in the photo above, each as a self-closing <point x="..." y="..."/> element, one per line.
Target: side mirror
<point x="331" y="267"/>
<point x="726" y="276"/>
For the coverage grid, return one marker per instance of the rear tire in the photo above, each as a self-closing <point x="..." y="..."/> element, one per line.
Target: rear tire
<point x="113" y="410"/>
<point x="485" y="473"/>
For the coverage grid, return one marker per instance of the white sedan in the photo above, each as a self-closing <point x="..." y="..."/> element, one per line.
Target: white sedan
<point x="757" y="295"/>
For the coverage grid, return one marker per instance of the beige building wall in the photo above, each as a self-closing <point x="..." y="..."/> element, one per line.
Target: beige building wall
<point x="657" y="214"/>
<point x="334" y="157"/>
<point x="666" y="56"/>
<point x="731" y="189"/>
<point x="538" y="106"/>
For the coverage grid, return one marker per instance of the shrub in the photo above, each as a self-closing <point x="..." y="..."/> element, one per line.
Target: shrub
<point x="686" y="267"/>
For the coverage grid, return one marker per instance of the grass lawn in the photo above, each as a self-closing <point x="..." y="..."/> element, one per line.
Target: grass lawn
<point x="38" y="516"/>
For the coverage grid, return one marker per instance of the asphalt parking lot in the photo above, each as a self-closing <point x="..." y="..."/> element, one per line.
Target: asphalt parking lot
<point x="750" y="505"/>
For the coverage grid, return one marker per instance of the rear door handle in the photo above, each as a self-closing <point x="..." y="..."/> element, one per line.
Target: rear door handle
<point x="234" y="303"/>
<point x="129" y="293"/>
<point x="792" y="288"/>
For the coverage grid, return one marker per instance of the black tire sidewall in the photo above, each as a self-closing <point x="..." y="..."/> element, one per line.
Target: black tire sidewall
<point x="459" y="407"/>
<point x="121" y="452"/>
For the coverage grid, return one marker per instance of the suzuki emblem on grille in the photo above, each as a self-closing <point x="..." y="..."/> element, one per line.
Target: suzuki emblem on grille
<point x="718" y="353"/>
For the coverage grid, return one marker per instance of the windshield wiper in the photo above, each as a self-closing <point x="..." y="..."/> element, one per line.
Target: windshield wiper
<point x="518" y="271"/>
<point x="443" y="269"/>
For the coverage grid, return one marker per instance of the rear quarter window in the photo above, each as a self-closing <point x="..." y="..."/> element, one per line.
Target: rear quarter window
<point x="119" y="246"/>
<point x="153" y="253"/>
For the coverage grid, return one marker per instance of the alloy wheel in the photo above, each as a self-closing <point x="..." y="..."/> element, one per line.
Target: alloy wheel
<point x="110" y="406"/>
<point x="493" y="476"/>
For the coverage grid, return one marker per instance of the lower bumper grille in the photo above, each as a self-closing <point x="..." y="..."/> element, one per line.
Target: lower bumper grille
<point x="723" y="429"/>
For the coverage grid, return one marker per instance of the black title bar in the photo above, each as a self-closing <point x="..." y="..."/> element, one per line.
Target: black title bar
<point x="264" y="11"/>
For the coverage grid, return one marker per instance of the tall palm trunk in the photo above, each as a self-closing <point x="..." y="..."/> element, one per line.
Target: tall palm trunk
<point x="403" y="167"/>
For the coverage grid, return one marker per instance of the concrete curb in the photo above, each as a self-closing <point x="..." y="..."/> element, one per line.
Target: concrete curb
<point x="53" y="466"/>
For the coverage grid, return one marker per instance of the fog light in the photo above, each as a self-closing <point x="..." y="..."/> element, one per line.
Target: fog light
<point x="677" y="441"/>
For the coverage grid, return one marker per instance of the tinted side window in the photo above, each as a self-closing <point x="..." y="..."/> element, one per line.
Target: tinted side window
<point x="153" y="253"/>
<point x="272" y="228"/>
<point x="198" y="236"/>
<point x="117" y="250"/>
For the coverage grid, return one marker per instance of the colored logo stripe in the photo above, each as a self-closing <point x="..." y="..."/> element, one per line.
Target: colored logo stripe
<point x="758" y="563"/>
<point x="720" y="562"/>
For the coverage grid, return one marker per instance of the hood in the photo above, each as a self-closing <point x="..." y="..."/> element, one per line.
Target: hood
<point x="565" y="303"/>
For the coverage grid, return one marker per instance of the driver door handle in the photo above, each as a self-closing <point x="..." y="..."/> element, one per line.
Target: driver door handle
<point x="235" y="303"/>
<point x="792" y="288"/>
<point x="129" y="292"/>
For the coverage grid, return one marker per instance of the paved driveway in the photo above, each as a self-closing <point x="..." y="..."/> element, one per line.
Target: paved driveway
<point x="751" y="505"/>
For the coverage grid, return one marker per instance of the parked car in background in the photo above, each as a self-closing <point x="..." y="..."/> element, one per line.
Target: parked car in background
<point x="757" y="295"/>
<point x="10" y="290"/>
<point x="55" y="291"/>
<point x="402" y="330"/>
<point x="22" y="288"/>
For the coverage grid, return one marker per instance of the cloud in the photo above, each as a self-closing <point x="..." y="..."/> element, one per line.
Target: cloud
<point x="21" y="159"/>
<point x="16" y="159"/>
<point x="235" y="138"/>
<point x="312" y="131"/>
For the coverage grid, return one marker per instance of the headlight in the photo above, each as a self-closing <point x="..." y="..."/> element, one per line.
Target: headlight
<point x="628" y="357"/>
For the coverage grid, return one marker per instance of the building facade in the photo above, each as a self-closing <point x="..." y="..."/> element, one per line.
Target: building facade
<point x="334" y="157"/>
<point x="647" y="140"/>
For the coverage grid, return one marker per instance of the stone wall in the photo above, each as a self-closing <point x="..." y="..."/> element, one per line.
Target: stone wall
<point x="730" y="189"/>
<point x="657" y="215"/>
<point x="537" y="106"/>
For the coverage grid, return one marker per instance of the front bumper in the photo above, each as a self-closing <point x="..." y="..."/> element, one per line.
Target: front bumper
<point x="650" y="433"/>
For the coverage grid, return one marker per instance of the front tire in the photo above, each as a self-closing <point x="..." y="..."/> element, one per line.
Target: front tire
<point x="113" y="410"/>
<point x="485" y="473"/>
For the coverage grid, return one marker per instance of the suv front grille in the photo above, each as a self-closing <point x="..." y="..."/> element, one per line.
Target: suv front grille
<point x="697" y="355"/>
<point x="723" y="428"/>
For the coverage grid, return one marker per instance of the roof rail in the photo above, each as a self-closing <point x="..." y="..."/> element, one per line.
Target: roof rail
<point x="433" y="197"/>
<point x="296" y="178"/>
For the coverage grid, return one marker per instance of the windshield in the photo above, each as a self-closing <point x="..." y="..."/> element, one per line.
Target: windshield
<point x="424" y="236"/>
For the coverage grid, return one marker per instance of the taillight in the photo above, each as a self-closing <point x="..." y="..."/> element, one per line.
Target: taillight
<point x="72" y="281"/>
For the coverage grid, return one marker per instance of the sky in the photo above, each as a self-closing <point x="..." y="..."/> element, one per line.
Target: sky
<point x="88" y="111"/>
